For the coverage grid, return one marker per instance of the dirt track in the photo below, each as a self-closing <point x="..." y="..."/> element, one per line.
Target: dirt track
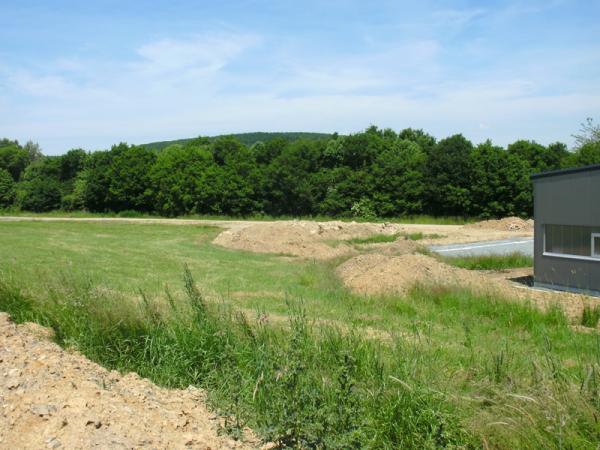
<point x="56" y="399"/>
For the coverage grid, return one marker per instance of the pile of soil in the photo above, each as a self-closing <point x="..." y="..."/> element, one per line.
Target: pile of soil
<point x="381" y="274"/>
<point x="57" y="399"/>
<point x="301" y="238"/>
<point x="400" y="246"/>
<point x="377" y="274"/>
<point x="506" y="224"/>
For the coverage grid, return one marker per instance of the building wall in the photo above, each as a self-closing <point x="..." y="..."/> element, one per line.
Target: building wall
<point x="566" y="199"/>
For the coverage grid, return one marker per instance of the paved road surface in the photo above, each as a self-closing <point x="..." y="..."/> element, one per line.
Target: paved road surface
<point x="522" y="244"/>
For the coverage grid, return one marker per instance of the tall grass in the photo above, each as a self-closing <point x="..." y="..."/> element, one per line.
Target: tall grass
<point x="297" y="386"/>
<point x="306" y="386"/>
<point x="490" y="262"/>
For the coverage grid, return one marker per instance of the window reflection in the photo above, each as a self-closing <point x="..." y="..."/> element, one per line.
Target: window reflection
<point x="571" y="240"/>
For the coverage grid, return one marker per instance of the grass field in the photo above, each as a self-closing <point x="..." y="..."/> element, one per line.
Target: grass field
<point x="441" y="367"/>
<point x="419" y="219"/>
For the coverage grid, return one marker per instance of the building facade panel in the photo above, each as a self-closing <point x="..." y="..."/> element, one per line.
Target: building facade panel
<point x="567" y="217"/>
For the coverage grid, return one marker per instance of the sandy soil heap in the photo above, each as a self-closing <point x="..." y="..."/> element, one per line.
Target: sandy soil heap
<point x="301" y="238"/>
<point x="55" y="399"/>
<point x="506" y="224"/>
<point x="382" y="274"/>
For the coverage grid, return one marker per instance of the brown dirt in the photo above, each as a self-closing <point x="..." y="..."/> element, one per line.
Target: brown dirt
<point x="382" y="274"/>
<point x="506" y="224"/>
<point x="301" y="238"/>
<point x="52" y="398"/>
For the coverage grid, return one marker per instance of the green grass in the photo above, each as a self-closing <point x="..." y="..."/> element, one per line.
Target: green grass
<point x="591" y="316"/>
<point x="385" y="238"/>
<point x="417" y="219"/>
<point x="490" y="262"/>
<point x="440" y="367"/>
<point x="374" y="239"/>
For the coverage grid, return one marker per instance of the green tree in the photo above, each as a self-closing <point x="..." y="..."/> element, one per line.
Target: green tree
<point x="500" y="183"/>
<point x="39" y="194"/>
<point x="538" y="157"/>
<point x="345" y="188"/>
<point x="288" y="181"/>
<point x="129" y="175"/>
<point x="178" y="180"/>
<point x="7" y="188"/>
<point x="399" y="180"/>
<point x="13" y="158"/>
<point x="96" y="181"/>
<point x="585" y="155"/>
<point x="33" y="151"/>
<point x="589" y="133"/>
<point x="449" y="172"/>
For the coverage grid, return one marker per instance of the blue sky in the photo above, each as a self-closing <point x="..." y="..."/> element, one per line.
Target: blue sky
<point x="90" y="74"/>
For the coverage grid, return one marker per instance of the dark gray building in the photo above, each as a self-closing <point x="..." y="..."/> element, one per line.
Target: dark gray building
<point x="567" y="229"/>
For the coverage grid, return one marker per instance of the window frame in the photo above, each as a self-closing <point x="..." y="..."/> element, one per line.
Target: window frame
<point x="571" y="256"/>
<point x="595" y="251"/>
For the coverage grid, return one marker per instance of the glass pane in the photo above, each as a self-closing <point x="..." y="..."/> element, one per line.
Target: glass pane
<point x="597" y="246"/>
<point x="569" y="240"/>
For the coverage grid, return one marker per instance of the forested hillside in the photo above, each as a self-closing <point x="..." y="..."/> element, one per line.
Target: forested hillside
<point x="372" y="173"/>
<point x="248" y="139"/>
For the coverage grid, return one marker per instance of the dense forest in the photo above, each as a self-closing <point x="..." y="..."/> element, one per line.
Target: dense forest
<point x="373" y="173"/>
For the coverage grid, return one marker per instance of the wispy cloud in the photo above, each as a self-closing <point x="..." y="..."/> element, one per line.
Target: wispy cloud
<point x="200" y="54"/>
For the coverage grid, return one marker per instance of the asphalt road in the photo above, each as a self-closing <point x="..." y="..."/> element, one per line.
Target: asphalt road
<point x="523" y="245"/>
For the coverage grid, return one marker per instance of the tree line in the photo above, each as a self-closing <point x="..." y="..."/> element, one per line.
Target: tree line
<point x="377" y="172"/>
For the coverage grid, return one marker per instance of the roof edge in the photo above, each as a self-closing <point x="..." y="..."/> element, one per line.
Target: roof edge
<point x="553" y="173"/>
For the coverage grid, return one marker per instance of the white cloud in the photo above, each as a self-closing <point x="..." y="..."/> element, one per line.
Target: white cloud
<point x="175" y="88"/>
<point x="208" y="53"/>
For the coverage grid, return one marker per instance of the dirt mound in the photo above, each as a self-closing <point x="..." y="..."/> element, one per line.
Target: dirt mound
<point x="400" y="246"/>
<point x="506" y="224"/>
<point x="301" y="238"/>
<point x="380" y="274"/>
<point x="56" y="399"/>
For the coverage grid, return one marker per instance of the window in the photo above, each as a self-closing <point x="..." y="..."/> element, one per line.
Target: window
<point x="596" y="245"/>
<point x="572" y="240"/>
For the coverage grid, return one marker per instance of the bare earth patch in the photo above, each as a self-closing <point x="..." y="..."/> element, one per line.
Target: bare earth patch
<point x="56" y="399"/>
<point x="505" y="224"/>
<point x="383" y="274"/>
<point x="301" y="238"/>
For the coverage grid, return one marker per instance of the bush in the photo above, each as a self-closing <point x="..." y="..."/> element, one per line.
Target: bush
<point x="363" y="209"/>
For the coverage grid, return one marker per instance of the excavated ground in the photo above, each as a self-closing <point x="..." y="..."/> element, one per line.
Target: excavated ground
<point x="314" y="239"/>
<point x="52" y="398"/>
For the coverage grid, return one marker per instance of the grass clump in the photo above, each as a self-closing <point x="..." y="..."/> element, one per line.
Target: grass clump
<point x="490" y="262"/>
<point x="591" y="316"/>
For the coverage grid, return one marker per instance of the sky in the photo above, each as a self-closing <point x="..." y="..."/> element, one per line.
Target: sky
<point x="89" y="74"/>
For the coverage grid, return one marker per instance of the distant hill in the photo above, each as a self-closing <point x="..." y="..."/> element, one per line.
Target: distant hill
<point x="248" y="138"/>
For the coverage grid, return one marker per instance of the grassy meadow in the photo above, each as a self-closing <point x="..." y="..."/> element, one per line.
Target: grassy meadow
<point x="281" y="346"/>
